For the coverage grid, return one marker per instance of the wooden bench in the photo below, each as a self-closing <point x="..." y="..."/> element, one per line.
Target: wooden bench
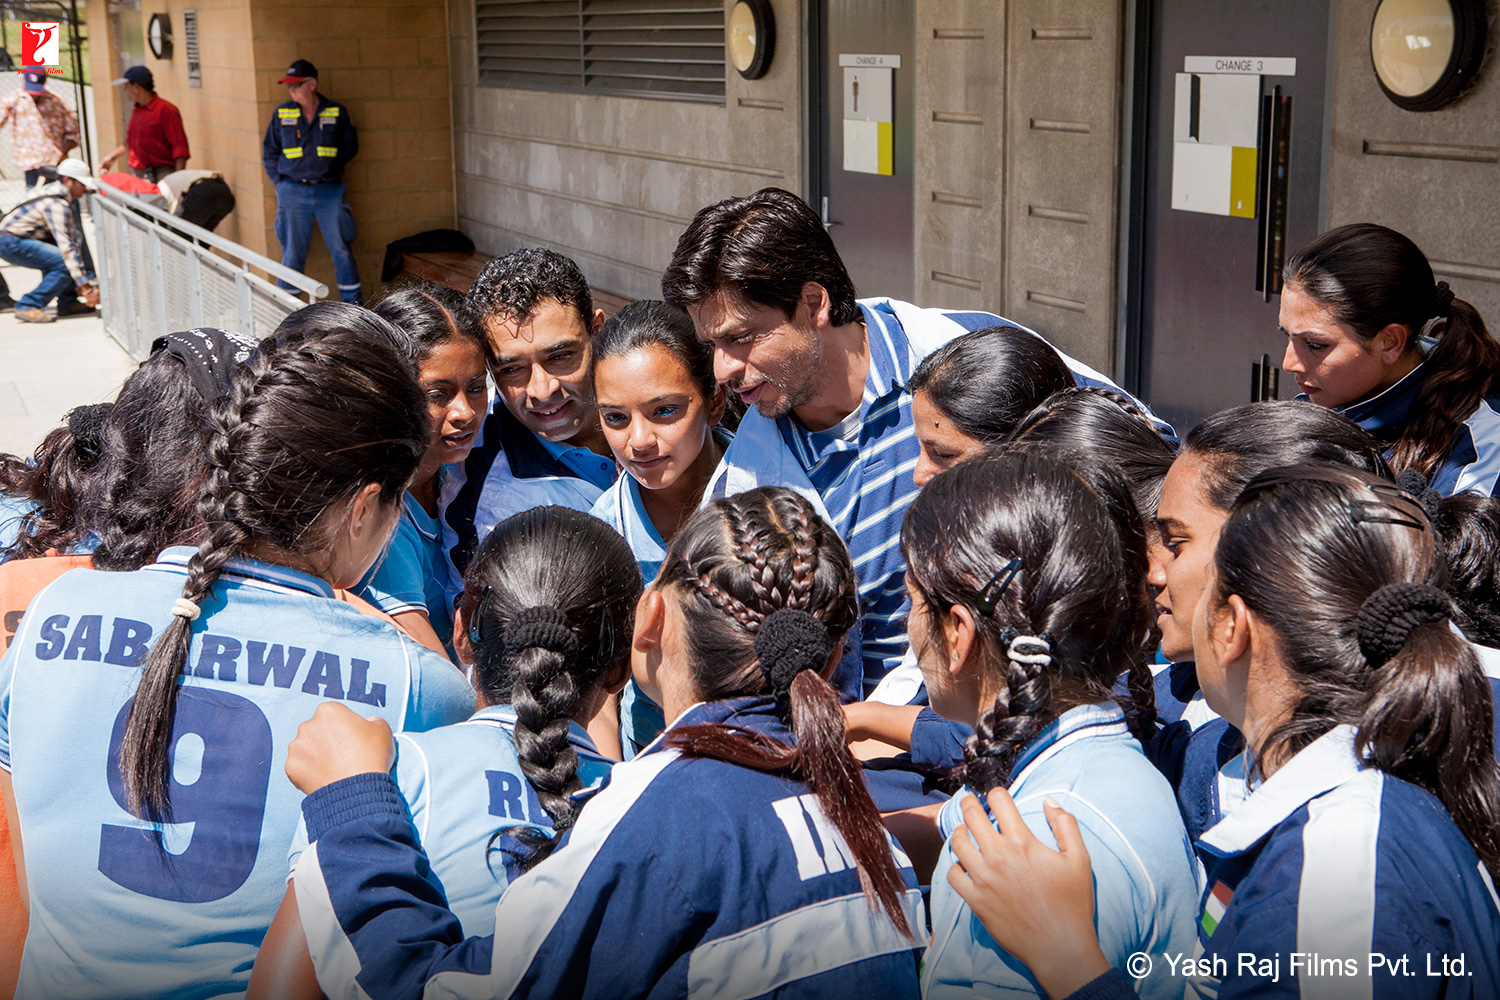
<point x="458" y="270"/>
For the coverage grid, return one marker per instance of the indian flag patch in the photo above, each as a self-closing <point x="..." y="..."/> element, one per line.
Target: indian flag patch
<point x="1214" y="906"/>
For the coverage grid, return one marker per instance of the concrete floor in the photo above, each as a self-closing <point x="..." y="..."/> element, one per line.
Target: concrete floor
<point x="46" y="369"/>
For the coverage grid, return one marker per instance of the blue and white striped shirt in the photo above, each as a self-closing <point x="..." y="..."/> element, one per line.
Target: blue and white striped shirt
<point x="860" y="472"/>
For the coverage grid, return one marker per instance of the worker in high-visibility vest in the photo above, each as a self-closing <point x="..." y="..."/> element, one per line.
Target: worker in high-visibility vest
<point x="308" y="142"/>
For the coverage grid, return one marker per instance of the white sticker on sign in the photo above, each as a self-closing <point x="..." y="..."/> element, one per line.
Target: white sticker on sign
<point x="1246" y="65"/>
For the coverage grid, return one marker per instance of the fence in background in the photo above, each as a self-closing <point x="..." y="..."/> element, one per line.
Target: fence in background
<point x="159" y="273"/>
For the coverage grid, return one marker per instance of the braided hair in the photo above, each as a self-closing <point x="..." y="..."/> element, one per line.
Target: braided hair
<point x="986" y="380"/>
<point x="549" y="602"/>
<point x="1349" y="575"/>
<point x="1048" y="552"/>
<point x="57" y="481"/>
<point x="303" y="428"/>
<point x="767" y="593"/>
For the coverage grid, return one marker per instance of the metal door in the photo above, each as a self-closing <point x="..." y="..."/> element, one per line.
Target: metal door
<point x="868" y="214"/>
<point x="1199" y="317"/>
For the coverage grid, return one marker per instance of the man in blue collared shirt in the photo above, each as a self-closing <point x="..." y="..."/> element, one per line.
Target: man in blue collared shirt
<point x="826" y="375"/>
<point x="542" y="442"/>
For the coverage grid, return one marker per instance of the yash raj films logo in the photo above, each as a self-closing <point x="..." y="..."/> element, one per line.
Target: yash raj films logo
<point x="40" y="46"/>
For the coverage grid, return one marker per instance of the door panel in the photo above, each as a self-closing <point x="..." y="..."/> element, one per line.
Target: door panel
<point x="870" y="215"/>
<point x="1202" y="322"/>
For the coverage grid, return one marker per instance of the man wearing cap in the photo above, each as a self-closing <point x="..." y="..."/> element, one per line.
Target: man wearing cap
<point x="43" y="129"/>
<point x="42" y="232"/>
<point x="307" y="144"/>
<point x="155" y="138"/>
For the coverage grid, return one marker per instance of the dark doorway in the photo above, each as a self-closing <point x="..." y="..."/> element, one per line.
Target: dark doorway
<point x="1198" y="315"/>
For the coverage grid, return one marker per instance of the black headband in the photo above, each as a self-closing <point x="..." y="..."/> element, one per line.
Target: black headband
<point x="208" y="354"/>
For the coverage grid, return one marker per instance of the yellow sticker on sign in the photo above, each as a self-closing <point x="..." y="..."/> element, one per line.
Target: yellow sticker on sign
<point x="1242" y="171"/>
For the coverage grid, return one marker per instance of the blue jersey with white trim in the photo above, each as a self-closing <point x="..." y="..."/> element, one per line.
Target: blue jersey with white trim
<point x="122" y="907"/>
<point x="861" y="470"/>
<point x="411" y="576"/>
<point x="1340" y="881"/>
<point x="463" y="784"/>
<point x="1472" y="461"/>
<point x="1145" y="877"/>
<point x="682" y="877"/>
<point x="510" y="470"/>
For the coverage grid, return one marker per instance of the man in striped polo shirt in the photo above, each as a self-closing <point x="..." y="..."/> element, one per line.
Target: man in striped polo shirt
<point x="826" y="376"/>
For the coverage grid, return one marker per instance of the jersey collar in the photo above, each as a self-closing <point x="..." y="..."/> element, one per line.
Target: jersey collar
<point x="1385" y="413"/>
<point x="756" y="713"/>
<point x="1083" y="722"/>
<point x="1321" y="767"/>
<point x="247" y="571"/>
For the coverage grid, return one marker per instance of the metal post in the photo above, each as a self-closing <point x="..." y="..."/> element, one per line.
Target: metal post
<point x="195" y="288"/>
<point x="158" y="285"/>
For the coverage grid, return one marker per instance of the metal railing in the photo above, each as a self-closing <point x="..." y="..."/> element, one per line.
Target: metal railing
<point x="159" y="273"/>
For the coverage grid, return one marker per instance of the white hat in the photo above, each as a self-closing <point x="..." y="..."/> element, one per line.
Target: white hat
<point x="76" y="169"/>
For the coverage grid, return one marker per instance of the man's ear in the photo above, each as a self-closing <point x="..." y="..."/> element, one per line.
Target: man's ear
<point x="717" y="404"/>
<point x="597" y="323"/>
<point x="815" y="300"/>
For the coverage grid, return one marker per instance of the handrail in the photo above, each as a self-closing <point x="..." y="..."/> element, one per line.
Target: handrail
<point x="312" y="287"/>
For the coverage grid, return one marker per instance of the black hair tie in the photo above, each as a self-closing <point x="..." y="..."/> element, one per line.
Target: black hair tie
<point x="1414" y="483"/>
<point x="86" y="424"/>
<point x="541" y="628"/>
<point x="1445" y="297"/>
<point x="787" y="643"/>
<point x="1388" y="617"/>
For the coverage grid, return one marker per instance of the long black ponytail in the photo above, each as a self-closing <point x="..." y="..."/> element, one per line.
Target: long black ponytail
<point x="1348" y="573"/>
<point x="550" y="605"/>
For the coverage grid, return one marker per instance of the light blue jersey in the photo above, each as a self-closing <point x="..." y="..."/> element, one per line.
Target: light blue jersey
<point x="1145" y="877"/>
<point x="13" y="511"/>
<point x="412" y="575"/>
<point x="445" y="775"/>
<point x="125" y="908"/>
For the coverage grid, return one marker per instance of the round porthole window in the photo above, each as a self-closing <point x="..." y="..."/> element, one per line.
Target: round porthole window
<point x="1425" y="52"/>
<point x="751" y="37"/>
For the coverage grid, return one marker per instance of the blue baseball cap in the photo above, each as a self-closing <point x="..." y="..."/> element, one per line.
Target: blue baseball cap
<point x="138" y="75"/>
<point x="35" y="82"/>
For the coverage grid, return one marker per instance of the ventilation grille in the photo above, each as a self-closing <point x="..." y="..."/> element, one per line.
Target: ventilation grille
<point x="641" y="48"/>
<point x="190" y="42"/>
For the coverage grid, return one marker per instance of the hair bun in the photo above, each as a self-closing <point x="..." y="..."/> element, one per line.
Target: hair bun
<point x="86" y="424"/>
<point x="541" y="628"/>
<point x="788" y="642"/>
<point x="1414" y="483"/>
<point x="1388" y="617"/>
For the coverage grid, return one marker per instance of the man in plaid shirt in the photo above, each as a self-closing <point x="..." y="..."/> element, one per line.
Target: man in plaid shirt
<point x="42" y="232"/>
<point x="43" y="130"/>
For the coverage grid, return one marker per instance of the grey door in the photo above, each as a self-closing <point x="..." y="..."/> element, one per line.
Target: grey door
<point x="1196" y="322"/>
<point x="869" y="215"/>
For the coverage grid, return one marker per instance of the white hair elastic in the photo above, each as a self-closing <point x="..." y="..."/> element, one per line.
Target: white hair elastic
<point x="184" y="608"/>
<point x="1030" y="650"/>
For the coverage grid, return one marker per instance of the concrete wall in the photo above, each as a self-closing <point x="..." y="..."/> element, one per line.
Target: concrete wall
<point x="1433" y="175"/>
<point x="387" y="60"/>
<point x="613" y="181"/>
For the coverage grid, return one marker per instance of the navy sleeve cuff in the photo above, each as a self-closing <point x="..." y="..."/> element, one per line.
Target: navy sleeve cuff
<point x="938" y="743"/>
<point x="1111" y="986"/>
<point x="350" y="800"/>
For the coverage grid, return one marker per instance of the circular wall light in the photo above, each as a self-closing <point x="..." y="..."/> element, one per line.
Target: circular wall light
<point x="1425" y="52"/>
<point x="752" y="36"/>
<point x="159" y="36"/>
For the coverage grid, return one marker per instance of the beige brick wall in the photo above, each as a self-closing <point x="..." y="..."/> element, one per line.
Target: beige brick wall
<point x="385" y="60"/>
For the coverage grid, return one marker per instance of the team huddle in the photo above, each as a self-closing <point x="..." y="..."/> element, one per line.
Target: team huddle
<point x="760" y="640"/>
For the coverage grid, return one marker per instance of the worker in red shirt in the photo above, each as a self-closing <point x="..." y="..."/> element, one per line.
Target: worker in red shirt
<point x="155" y="137"/>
